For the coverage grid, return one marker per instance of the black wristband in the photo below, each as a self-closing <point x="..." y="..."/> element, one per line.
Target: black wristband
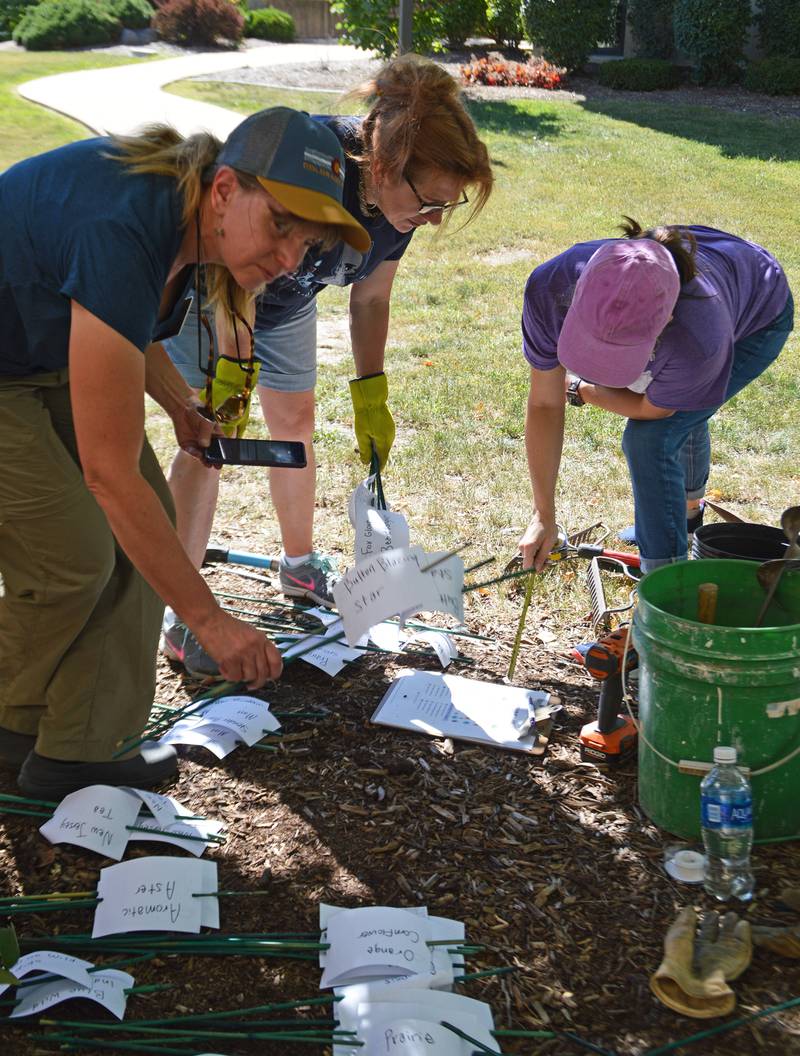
<point x="574" y="398"/>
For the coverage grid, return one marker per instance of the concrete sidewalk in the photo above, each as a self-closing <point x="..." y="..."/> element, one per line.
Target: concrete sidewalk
<point x="123" y="98"/>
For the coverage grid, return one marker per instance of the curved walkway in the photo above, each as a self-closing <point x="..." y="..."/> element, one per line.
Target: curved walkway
<point x="122" y="98"/>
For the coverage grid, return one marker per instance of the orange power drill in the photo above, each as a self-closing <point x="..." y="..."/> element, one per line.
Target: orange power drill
<point x="611" y="739"/>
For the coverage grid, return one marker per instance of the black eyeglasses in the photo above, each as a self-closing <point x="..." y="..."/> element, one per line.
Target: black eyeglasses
<point x="434" y="207"/>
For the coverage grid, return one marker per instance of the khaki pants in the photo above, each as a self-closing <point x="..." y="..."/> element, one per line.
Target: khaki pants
<point x="78" y="625"/>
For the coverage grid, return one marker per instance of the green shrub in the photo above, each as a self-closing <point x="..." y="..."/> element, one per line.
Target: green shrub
<point x="651" y="24"/>
<point x="712" y="34"/>
<point x="372" y="25"/>
<point x="460" y="19"/>
<point x="568" y="31"/>
<point x="504" y="22"/>
<point x="778" y="24"/>
<point x="779" y="75"/>
<point x="11" y="11"/>
<point x="133" y="14"/>
<point x="268" y="23"/>
<point x="198" y="21"/>
<point x="55" y="24"/>
<point x="639" y="75"/>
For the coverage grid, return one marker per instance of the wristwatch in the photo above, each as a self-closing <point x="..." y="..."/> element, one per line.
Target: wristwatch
<point x="574" y="398"/>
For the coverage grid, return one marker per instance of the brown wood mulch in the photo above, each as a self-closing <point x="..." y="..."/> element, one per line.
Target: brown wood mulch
<point x="552" y="865"/>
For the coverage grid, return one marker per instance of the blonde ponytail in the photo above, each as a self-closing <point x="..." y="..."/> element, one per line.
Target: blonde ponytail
<point x="162" y="151"/>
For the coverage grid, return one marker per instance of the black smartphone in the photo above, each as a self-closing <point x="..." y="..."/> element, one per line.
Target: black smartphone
<point x="229" y="451"/>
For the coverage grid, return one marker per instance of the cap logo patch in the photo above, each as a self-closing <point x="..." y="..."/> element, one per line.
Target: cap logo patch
<point x="323" y="165"/>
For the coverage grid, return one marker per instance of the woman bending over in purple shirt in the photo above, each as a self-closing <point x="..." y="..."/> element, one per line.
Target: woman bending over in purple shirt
<point x="661" y="327"/>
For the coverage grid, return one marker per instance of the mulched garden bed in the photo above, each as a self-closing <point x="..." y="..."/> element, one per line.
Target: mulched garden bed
<point x="552" y="865"/>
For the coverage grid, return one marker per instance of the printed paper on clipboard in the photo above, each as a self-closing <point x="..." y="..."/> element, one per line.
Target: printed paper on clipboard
<point x="465" y="709"/>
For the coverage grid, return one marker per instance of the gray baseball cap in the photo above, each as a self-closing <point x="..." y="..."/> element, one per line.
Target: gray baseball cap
<point x="300" y="162"/>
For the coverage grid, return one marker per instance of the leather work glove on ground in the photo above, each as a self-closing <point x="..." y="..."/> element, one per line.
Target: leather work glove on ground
<point x="373" y="422"/>
<point x="693" y="977"/>
<point x="784" y="941"/>
<point x="228" y="393"/>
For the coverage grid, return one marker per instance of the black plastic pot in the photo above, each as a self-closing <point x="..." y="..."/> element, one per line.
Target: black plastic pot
<point x="748" y="542"/>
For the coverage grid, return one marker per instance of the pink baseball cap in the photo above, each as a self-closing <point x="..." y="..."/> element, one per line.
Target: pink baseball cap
<point x="623" y="300"/>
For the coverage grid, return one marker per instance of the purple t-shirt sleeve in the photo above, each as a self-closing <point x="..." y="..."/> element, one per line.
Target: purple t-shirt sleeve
<point x="538" y="341"/>
<point x="548" y="294"/>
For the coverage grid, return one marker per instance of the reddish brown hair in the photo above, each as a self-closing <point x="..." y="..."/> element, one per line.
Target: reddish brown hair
<point x="416" y="122"/>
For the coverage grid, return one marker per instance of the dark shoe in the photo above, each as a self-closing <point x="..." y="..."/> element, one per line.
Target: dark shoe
<point x="45" y="778"/>
<point x="15" y="747"/>
<point x="179" y="644"/>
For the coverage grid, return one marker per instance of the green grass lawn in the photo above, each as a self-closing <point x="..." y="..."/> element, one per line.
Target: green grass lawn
<point x="30" y="129"/>
<point x="565" y="172"/>
<point x="458" y="382"/>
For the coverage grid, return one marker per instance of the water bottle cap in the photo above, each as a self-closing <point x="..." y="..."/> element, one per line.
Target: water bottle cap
<point x="683" y="863"/>
<point x="724" y="755"/>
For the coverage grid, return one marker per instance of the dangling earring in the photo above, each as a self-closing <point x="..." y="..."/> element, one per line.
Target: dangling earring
<point x="219" y="232"/>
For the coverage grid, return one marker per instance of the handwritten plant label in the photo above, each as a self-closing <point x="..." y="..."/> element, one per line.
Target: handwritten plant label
<point x="393" y="583"/>
<point x="441" y="643"/>
<point x="388" y="636"/>
<point x="412" y="1037"/>
<point x="375" y="941"/>
<point x="163" y="813"/>
<point x="106" y="988"/>
<point x="329" y="656"/>
<point x="247" y="717"/>
<point x="154" y="894"/>
<point x="94" y="818"/>
<point x="219" y="740"/>
<point x="378" y="531"/>
<point x="362" y="498"/>
<point x="54" y="963"/>
<point x="377" y="1004"/>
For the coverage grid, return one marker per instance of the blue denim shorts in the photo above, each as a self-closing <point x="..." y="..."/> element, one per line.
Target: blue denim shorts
<point x="288" y="352"/>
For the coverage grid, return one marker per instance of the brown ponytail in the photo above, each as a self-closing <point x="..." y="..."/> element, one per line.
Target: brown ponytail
<point x="417" y="121"/>
<point x="679" y="243"/>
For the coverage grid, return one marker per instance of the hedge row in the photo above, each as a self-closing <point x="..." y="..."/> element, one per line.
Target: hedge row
<point x="54" y="24"/>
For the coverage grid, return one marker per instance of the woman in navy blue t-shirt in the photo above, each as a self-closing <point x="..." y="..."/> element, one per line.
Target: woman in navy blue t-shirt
<point x="409" y="162"/>
<point x="99" y="241"/>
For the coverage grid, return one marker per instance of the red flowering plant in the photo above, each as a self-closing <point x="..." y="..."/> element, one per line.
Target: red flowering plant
<point x="498" y="72"/>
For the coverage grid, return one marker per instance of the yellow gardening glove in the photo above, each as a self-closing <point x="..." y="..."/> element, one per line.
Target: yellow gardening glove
<point x="723" y="945"/>
<point x="783" y="941"/>
<point x="373" y="422"/>
<point x="691" y="979"/>
<point x="230" y="391"/>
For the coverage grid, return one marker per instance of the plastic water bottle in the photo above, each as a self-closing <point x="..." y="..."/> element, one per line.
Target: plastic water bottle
<point x="726" y="808"/>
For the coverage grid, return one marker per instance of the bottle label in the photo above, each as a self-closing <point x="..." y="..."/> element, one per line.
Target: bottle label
<point x="718" y="814"/>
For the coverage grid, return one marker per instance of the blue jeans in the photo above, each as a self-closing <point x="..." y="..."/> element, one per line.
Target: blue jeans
<point x="669" y="458"/>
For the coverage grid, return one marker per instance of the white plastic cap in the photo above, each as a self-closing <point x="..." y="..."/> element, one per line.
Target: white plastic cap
<point x="724" y="755"/>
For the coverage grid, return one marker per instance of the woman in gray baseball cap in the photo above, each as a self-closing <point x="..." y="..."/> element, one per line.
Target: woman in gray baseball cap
<point x="99" y="242"/>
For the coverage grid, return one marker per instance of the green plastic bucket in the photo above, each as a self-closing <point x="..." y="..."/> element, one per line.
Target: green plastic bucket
<point x="729" y="683"/>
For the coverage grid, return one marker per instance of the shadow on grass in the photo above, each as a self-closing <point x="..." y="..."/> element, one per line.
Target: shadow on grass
<point x="735" y="135"/>
<point x="513" y="116"/>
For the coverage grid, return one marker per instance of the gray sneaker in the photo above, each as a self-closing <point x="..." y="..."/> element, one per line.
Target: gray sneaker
<point x="178" y="643"/>
<point x="313" y="580"/>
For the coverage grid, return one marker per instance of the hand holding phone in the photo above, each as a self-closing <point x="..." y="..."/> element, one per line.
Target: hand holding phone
<point x="232" y="451"/>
